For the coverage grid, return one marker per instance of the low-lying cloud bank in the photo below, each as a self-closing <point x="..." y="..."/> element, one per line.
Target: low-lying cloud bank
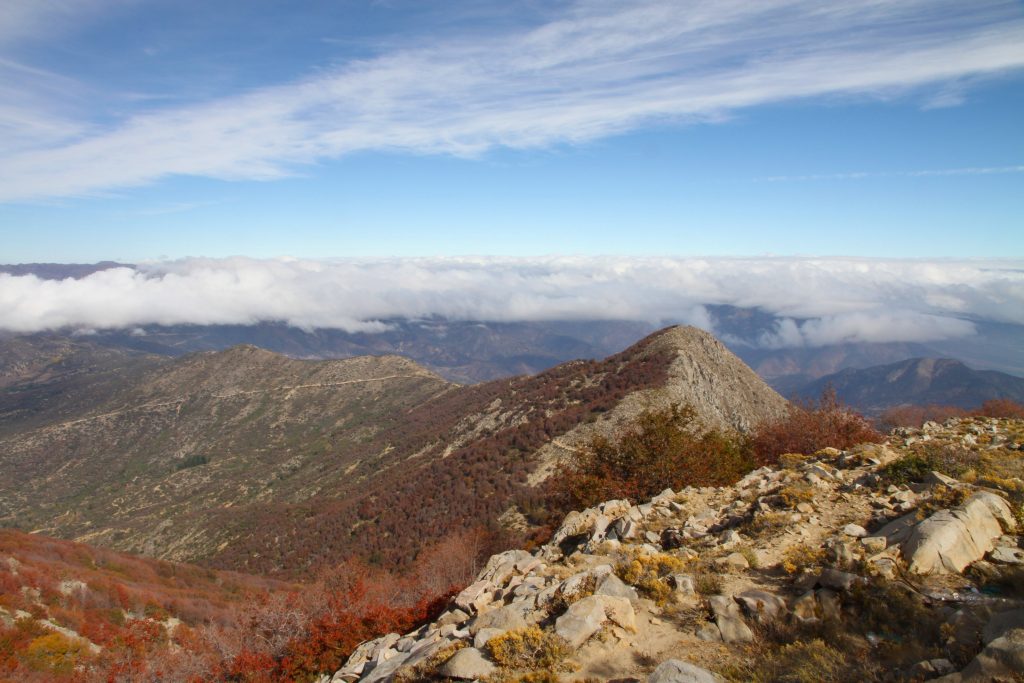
<point x="819" y="301"/>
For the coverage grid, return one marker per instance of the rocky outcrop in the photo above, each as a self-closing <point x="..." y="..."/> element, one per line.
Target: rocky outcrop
<point x="950" y="540"/>
<point x="695" y="579"/>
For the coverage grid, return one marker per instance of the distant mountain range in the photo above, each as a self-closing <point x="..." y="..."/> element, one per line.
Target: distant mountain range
<point x="918" y="381"/>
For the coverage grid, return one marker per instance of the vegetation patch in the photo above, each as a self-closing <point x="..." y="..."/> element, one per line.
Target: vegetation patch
<point x="647" y="574"/>
<point x="531" y="649"/>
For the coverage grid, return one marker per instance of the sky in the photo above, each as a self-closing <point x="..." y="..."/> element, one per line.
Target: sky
<point x="148" y="130"/>
<point x="855" y="167"/>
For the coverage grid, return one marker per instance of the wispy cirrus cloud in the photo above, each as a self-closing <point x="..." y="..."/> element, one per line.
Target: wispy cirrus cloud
<point x="597" y="69"/>
<point x="819" y="301"/>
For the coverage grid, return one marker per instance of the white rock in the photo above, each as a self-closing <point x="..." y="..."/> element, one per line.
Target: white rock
<point x="950" y="540"/>
<point x="855" y="530"/>
<point x="582" y="620"/>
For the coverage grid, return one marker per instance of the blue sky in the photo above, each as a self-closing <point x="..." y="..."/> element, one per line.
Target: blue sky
<point x="139" y="130"/>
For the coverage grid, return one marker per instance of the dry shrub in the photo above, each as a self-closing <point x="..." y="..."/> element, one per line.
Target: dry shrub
<point x="767" y="522"/>
<point x="798" y="558"/>
<point x="812" y="661"/>
<point x="796" y="493"/>
<point x="942" y="498"/>
<point x="529" y="648"/>
<point x="951" y="460"/>
<point x="916" y="416"/>
<point x="810" y="426"/>
<point x="660" y="448"/>
<point x="646" y="573"/>
<point x="1001" y="407"/>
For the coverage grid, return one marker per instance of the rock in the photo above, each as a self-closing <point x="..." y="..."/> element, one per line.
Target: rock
<point x="855" y="530"/>
<point x="950" y="540"/>
<point x="672" y="539"/>
<point x="652" y="537"/>
<point x="805" y="508"/>
<point x="505" y="618"/>
<point x="830" y="604"/>
<point x="474" y="596"/>
<point x="833" y="578"/>
<point x="467" y="664"/>
<point x="733" y="561"/>
<point x="618" y="610"/>
<point x="709" y="632"/>
<point x="613" y="586"/>
<point x="582" y="620"/>
<point x="624" y="528"/>
<point x="1002" y="659"/>
<point x="730" y="538"/>
<point x="761" y="605"/>
<point x="938" y="478"/>
<point x="675" y="671"/>
<point x="930" y="668"/>
<point x="484" y="635"/>
<point x="682" y="583"/>
<point x="455" y="616"/>
<point x="805" y="608"/>
<point x="874" y="544"/>
<point x="729" y="620"/>
<point x="1007" y="555"/>
<point x="1001" y="623"/>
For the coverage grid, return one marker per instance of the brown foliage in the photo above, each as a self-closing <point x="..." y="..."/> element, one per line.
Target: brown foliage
<point x="810" y="426"/>
<point x="659" y="449"/>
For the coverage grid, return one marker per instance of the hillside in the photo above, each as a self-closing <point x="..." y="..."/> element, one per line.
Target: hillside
<point x="918" y="381"/>
<point x="857" y="565"/>
<point x="249" y="460"/>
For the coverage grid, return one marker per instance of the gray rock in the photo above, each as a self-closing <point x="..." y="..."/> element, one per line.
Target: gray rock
<point x="484" y="635"/>
<point x="467" y="664"/>
<point x="729" y="620"/>
<point x="675" y="671"/>
<point x="613" y="586"/>
<point x="582" y="620"/>
<point x="1007" y="555"/>
<point x="474" y="596"/>
<point x="504" y="618"/>
<point x="950" y="540"/>
<point x="833" y="578"/>
<point x="618" y="610"/>
<point x="456" y="616"/>
<point x="682" y="583"/>
<point x="761" y="605"/>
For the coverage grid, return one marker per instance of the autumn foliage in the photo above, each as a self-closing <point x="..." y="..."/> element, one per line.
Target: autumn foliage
<point x="659" y="449"/>
<point x="69" y="612"/>
<point x="809" y="426"/>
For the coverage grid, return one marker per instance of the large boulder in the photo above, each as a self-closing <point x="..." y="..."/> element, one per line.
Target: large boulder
<point x="950" y="540"/>
<point x="729" y="620"/>
<point x="582" y="620"/>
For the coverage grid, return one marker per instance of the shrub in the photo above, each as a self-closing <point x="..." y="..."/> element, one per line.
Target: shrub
<point x="1001" y="407"/>
<point x="810" y="426"/>
<point x="908" y="469"/>
<point x="796" y="493"/>
<point x="797" y="558"/>
<point x="529" y="648"/>
<point x="805" y="662"/>
<point x="646" y="573"/>
<point x="659" y="448"/>
<point x="916" y="416"/>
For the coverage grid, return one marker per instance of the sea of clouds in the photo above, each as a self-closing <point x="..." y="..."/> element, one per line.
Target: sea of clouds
<point x="819" y="301"/>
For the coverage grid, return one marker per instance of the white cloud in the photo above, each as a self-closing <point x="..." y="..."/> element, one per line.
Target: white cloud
<point x="599" y="69"/>
<point x="820" y="300"/>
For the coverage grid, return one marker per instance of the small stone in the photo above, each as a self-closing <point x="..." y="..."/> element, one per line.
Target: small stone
<point x="855" y="530"/>
<point x="874" y="544"/>
<point x="805" y="508"/>
<point x="733" y="561"/>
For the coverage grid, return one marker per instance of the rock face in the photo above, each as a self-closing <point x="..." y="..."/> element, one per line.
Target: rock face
<point x="950" y="540"/>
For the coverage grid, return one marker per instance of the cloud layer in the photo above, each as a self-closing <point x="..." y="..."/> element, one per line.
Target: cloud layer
<point x="597" y="69"/>
<point x="820" y="300"/>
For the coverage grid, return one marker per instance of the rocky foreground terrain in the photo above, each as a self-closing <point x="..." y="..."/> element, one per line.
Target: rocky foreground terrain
<point x="873" y="563"/>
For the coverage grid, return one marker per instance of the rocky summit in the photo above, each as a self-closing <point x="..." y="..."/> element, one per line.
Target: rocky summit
<point x="893" y="561"/>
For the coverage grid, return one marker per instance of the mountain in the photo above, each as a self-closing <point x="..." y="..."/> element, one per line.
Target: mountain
<point x="918" y="381"/>
<point x="250" y="460"/>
